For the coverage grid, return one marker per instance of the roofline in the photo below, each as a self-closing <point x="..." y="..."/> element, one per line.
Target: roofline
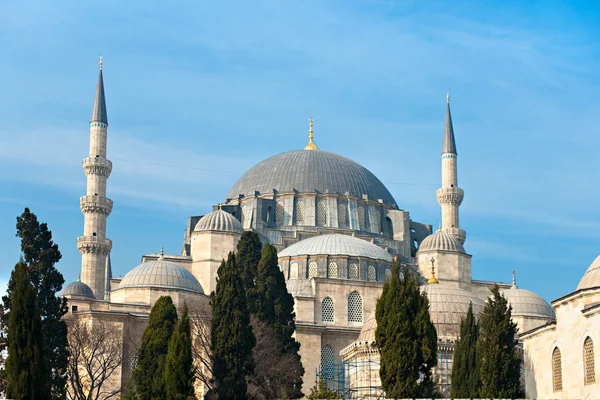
<point x="551" y="324"/>
<point x="573" y="294"/>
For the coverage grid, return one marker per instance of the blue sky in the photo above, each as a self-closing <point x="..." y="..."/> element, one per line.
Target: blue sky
<point x="199" y="92"/>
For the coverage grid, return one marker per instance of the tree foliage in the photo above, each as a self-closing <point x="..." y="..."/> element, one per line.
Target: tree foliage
<point x="465" y="375"/>
<point x="248" y="255"/>
<point x="498" y="360"/>
<point x="179" y="372"/>
<point x="232" y="339"/>
<point x="320" y="391"/>
<point x="148" y="374"/>
<point x="26" y="369"/>
<point x="406" y="338"/>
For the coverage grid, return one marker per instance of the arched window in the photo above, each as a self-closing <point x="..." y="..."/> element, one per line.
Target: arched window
<point x="371" y="274"/>
<point x="361" y="218"/>
<point x="355" y="307"/>
<point x="321" y="212"/>
<point x="353" y="271"/>
<point x="293" y="271"/>
<point x="556" y="370"/>
<point x="327" y="310"/>
<point x="342" y="215"/>
<point x="299" y="210"/>
<point x="388" y="274"/>
<point x="279" y="213"/>
<point x="327" y="361"/>
<point x="589" y="370"/>
<point x="313" y="269"/>
<point x="332" y="270"/>
<point x="377" y="221"/>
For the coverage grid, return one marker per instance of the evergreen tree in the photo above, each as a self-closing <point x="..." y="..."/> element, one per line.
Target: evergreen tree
<point x="232" y="339"/>
<point x="406" y="338"/>
<point x="40" y="254"/>
<point x="26" y="370"/>
<point x="275" y="306"/>
<point x="179" y="372"/>
<point x="465" y="375"/>
<point x="498" y="360"/>
<point x="321" y="391"/>
<point x="148" y="374"/>
<point x="248" y="255"/>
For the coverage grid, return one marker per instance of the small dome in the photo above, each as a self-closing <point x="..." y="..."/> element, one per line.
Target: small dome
<point x="591" y="278"/>
<point x="219" y="221"/>
<point x="440" y="241"/>
<point x="161" y="274"/>
<point x="525" y="303"/>
<point x="336" y="245"/>
<point x="78" y="288"/>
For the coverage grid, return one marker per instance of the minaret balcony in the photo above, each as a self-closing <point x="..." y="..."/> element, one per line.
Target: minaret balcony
<point x="450" y="195"/>
<point x="97" y="166"/>
<point x="94" y="245"/>
<point x="95" y="204"/>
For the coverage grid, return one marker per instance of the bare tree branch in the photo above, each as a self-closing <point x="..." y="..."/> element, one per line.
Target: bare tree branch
<point x="200" y="314"/>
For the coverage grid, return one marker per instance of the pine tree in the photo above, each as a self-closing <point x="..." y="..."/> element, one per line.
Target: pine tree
<point x="148" y="374"/>
<point x="40" y="254"/>
<point x="406" y="338"/>
<point x="232" y="339"/>
<point x="275" y="306"/>
<point x="26" y="370"/>
<point x="321" y="391"/>
<point x="498" y="360"/>
<point x="465" y="375"/>
<point x="248" y="257"/>
<point x="179" y="372"/>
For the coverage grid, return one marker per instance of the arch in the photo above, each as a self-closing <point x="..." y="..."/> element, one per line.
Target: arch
<point x="342" y="214"/>
<point x="361" y="218"/>
<point x="327" y="310"/>
<point x="388" y="274"/>
<point x="279" y="212"/>
<point x="353" y="271"/>
<point x="269" y="215"/>
<point x="313" y="269"/>
<point x="332" y="270"/>
<point x="389" y="226"/>
<point x="327" y="361"/>
<point x="556" y="370"/>
<point x="377" y="221"/>
<point x="372" y="274"/>
<point x="321" y="212"/>
<point x="589" y="370"/>
<point x="293" y="271"/>
<point x="355" y="307"/>
<point x="299" y="212"/>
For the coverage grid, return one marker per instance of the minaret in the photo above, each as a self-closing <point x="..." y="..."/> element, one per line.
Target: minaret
<point x="450" y="196"/>
<point x="95" y="206"/>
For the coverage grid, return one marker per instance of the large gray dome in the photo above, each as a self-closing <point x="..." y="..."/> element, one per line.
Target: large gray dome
<point x="307" y="171"/>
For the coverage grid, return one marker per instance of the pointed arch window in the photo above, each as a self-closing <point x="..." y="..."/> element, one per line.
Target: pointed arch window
<point x="353" y="271"/>
<point x="355" y="307"/>
<point x="589" y="370"/>
<point x="327" y="310"/>
<point x="293" y="271"/>
<point x="377" y="221"/>
<point x="299" y="212"/>
<point x="321" y="212"/>
<point x="388" y="274"/>
<point x="342" y="214"/>
<point x="313" y="269"/>
<point x="372" y="274"/>
<point x="361" y="218"/>
<point x="327" y="361"/>
<point x="556" y="370"/>
<point x="279" y="211"/>
<point x="332" y="270"/>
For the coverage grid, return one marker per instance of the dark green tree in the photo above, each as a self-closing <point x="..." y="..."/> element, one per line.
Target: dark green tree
<point x="148" y="374"/>
<point x="40" y="254"/>
<point x="498" y="360"/>
<point x="26" y="369"/>
<point x="179" y="372"/>
<point x="232" y="339"/>
<point x="321" y="391"/>
<point x="465" y="375"/>
<point x="406" y="338"/>
<point x="248" y="255"/>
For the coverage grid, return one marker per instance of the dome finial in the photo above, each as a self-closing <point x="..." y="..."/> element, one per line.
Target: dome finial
<point x="100" y="63"/>
<point x="162" y="252"/>
<point x="220" y="206"/>
<point x="433" y="278"/>
<point x="79" y="277"/>
<point x="311" y="144"/>
<point x="514" y="281"/>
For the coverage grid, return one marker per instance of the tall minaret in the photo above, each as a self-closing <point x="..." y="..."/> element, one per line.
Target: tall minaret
<point x="450" y="196"/>
<point x="95" y="206"/>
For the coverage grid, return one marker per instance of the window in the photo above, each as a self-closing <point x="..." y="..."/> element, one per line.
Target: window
<point x="73" y="309"/>
<point x="327" y="310"/>
<point x="388" y="274"/>
<point x="299" y="210"/>
<point x="589" y="370"/>
<point x="342" y="215"/>
<point x="556" y="370"/>
<point x="279" y="213"/>
<point x="355" y="307"/>
<point x="313" y="269"/>
<point x="327" y="361"/>
<point x="377" y="221"/>
<point x="293" y="271"/>
<point x="361" y="218"/>
<point x="321" y="212"/>
<point x="353" y="271"/>
<point x="332" y="270"/>
<point x="371" y="274"/>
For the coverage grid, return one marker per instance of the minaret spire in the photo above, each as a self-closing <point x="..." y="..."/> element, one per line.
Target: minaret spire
<point x="450" y="196"/>
<point x="95" y="206"/>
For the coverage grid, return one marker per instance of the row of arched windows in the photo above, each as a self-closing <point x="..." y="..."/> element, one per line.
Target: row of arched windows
<point x="589" y="370"/>
<point x="355" y="308"/>
<point x="333" y="271"/>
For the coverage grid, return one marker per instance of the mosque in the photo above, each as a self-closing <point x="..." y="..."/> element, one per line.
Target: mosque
<point x="337" y="230"/>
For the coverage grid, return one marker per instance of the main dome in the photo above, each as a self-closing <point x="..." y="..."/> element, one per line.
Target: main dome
<point x="310" y="171"/>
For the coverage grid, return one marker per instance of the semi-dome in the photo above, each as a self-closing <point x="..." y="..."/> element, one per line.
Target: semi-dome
<point x="525" y="303"/>
<point x="441" y="241"/>
<point x="310" y="171"/>
<point x="219" y="221"/>
<point x="336" y="245"/>
<point x="78" y="288"/>
<point x="161" y="274"/>
<point x="591" y="278"/>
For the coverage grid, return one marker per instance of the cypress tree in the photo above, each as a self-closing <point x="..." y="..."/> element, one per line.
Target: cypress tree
<point x="26" y="370"/>
<point x="148" y="374"/>
<point x="406" y="338"/>
<point x="498" y="360"/>
<point x="465" y="375"/>
<point x="248" y="256"/>
<point x="232" y="339"/>
<point x="179" y="372"/>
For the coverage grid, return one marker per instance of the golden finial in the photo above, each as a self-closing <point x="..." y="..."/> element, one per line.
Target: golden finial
<point x="220" y="206"/>
<point x="439" y="227"/>
<point x="448" y="96"/>
<point x="100" y="62"/>
<point x="311" y="144"/>
<point x="432" y="279"/>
